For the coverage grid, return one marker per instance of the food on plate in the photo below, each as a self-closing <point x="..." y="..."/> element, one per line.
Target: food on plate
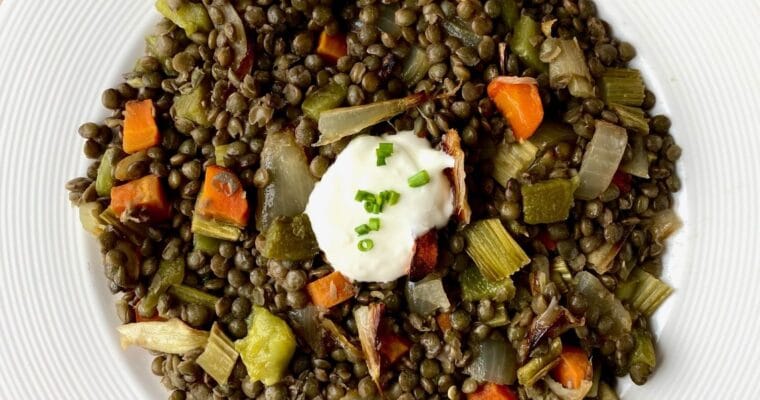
<point x="345" y="200"/>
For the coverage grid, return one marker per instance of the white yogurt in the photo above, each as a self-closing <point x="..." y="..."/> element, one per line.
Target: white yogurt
<point x="334" y="213"/>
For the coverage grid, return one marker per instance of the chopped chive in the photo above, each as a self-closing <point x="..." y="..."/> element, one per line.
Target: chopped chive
<point x="380" y="199"/>
<point x="385" y="148"/>
<point x="393" y="197"/>
<point x="374" y="224"/>
<point x="366" y="244"/>
<point x="380" y="161"/>
<point x="368" y="206"/>
<point x="362" y="195"/>
<point x="362" y="229"/>
<point x="376" y="208"/>
<point x="419" y="179"/>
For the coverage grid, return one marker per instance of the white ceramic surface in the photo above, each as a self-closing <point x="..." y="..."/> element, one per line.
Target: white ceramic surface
<point x="57" y="337"/>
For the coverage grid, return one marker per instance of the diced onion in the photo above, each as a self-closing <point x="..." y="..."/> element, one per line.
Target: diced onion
<point x="426" y="296"/>
<point x="601" y="160"/>
<point x="567" y="66"/>
<point x="496" y="362"/>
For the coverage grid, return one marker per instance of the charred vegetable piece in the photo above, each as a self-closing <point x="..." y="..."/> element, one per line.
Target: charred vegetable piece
<point x="140" y="129"/>
<point x="192" y="17"/>
<point x="219" y="357"/>
<point x="425" y="255"/>
<point x="290" y="239"/>
<point x="144" y="196"/>
<point x="267" y="349"/>
<point x="539" y="366"/>
<point x="392" y="346"/>
<point x="171" y="336"/>
<point x="367" y="322"/>
<point x="476" y="287"/>
<point x="524" y="43"/>
<point x="169" y="273"/>
<point x="548" y="201"/>
<point x="494" y="251"/>
<point x="452" y="145"/>
<point x="325" y="98"/>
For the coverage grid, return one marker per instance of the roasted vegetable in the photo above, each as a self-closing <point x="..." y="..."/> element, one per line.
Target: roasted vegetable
<point x="171" y="336"/>
<point x="290" y="239"/>
<point x="267" y="349"/>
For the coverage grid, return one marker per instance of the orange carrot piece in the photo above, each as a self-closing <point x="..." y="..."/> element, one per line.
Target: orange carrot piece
<point x="222" y="197"/>
<point x="492" y="391"/>
<point x="573" y="367"/>
<point x="519" y="102"/>
<point x="140" y="130"/>
<point x="444" y="321"/>
<point x="144" y="195"/>
<point x="332" y="47"/>
<point x="425" y="255"/>
<point x="330" y="290"/>
<point x="393" y="346"/>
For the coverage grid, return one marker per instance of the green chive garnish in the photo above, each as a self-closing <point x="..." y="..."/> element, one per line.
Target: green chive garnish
<point x="362" y="229"/>
<point x="369" y="206"/>
<point x="374" y="224"/>
<point x="393" y="197"/>
<point x="366" y="244"/>
<point x="362" y="195"/>
<point x="383" y="151"/>
<point x="419" y="179"/>
<point x="376" y="208"/>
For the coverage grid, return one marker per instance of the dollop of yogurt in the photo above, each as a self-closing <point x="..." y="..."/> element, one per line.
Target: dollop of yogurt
<point x="335" y="214"/>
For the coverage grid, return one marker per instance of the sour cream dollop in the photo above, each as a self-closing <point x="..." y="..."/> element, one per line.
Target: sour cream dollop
<point x="335" y="214"/>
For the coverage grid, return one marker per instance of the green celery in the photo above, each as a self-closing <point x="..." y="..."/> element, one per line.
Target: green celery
<point x="215" y="229"/>
<point x="561" y="275"/>
<point x="219" y="357"/>
<point x="524" y="44"/>
<point x="192" y="106"/>
<point x="510" y="13"/>
<point x="104" y="180"/>
<point x="457" y="28"/>
<point x="622" y="86"/>
<point x="190" y="16"/>
<point x="220" y="155"/>
<point x="206" y="244"/>
<point x="476" y="287"/>
<point x="415" y="66"/>
<point x="632" y="118"/>
<point x="131" y="230"/>
<point x="290" y="239"/>
<point x="548" y="201"/>
<point x="550" y="134"/>
<point x="325" y="98"/>
<point x="643" y="291"/>
<point x="511" y="160"/>
<point x="500" y="317"/>
<point x="494" y="251"/>
<point x="169" y="273"/>
<point x="187" y="294"/>
<point x="267" y="348"/>
<point x="643" y="357"/>
<point x="539" y="366"/>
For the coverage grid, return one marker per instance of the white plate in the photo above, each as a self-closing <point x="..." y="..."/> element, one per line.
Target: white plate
<point x="57" y="337"/>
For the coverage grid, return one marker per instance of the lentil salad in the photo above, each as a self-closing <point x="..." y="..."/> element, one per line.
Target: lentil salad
<point x="217" y="103"/>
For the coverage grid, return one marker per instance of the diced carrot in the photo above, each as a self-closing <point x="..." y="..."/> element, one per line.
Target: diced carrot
<point x="222" y="197"/>
<point x="393" y="346"/>
<point x="444" y="321"/>
<point x="332" y="47"/>
<point x="492" y="391"/>
<point x="573" y="368"/>
<point x="425" y="255"/>
<point x="330" y="290"/>
<point x="140" y="130"/>
<point x="144" y="195"/>
<point x="518" y="100"/>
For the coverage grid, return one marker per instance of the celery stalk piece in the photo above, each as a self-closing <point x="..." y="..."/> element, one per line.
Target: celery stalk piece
<point x="638" y="165"/>
<point x="601" y="302"/>
<point x="192" y="106"/>
<point x="104" y="180"/>
<point x="622" y="86"/>
<point x="539" y="366"/>
<point x="525" y="43"/>
<point x="510" y="13"/>
<point x="457" y="28"/>
<point x="187" y="294"/>
<point x="512" y="159"/>
<point x="172" y="336"/>
<point x="220" y="155"/>
<point x="89" y="216"/>
<point x="169" y="273"/>
<point x="267" y="349"/>
<point x="192" y="17"/>
<point x="290" y="239"/>
<point x="644" y="292"/>
<point x="415" y="66"/>
<point x="325" y="98"/>
<point x="494" y="251"/>
<point x="214" y="229"/>
<point x="551" y="133"/>
<point x="219" y="357"/>
<point x="476" y="287"/>
<point x="131" y="230"/>
<point x="632" y="118"/>
<point x="561" y="275"/>
<point x="500" y="317"/>
<point x="206" y="244"/>
<point x="548" y="201"/>
<point x="643" y="358"/>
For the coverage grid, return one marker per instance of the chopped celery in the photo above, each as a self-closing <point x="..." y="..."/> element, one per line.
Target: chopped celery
<point x="219" y="357"/>
<point x="290" y="239"/>
<point x="89" y="216"/>
<point x="494" y="251"/>
<point x="548" y="201"/>
<point x="325" y="98"/>
<point x="104" y="180"/>
<point x="643" y="291"/>
<point x="192" y="106"/>
<point x="622" y="86"/>
<point x="150" y="46"/>
<point x="550" y="134"/>
<point x="561" y="275"/>
<point x="512" y="159"/>
<point x="457" y="28"/>
<point x="187" y="294"/>
<point x="220" y="155"/>
<point x="663" y="224"/>
<point x="215" y="229"/>
<point x="267" y="348"/>
<point x="632" y="118"/>
<point x="500" y="317"/>
<point x="601" y="302"/>
<point x="415" y="66"/>
<point x="539" y="366"/>
<point x="172" y="336"/>
<point x="206" y="244"/>
<point x="510" y="13"/>
<point x="638" y="165"/>
<point x="643" y="359"/>
<point x="524" y="43"/>
<point x="476" y="287"/>
<point x="131" y="230"/>
<point x="191" y="17"/>
<point x="169" y="273"/>
<point x="386" y="21"/>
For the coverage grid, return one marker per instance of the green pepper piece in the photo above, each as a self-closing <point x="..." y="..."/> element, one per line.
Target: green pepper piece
<point x="191" y="17"/>
<point x="525" y="33"/>
<point x="267" y="349"/>
<point x="476" y="287"/>
<point x="169" y="273"/>
<point x="326" y="98"/>
<point x="191" y="106"/>
<point x="104" y="180"/>
<point x="548" y="201"/>
<point x="290" y="239"/>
